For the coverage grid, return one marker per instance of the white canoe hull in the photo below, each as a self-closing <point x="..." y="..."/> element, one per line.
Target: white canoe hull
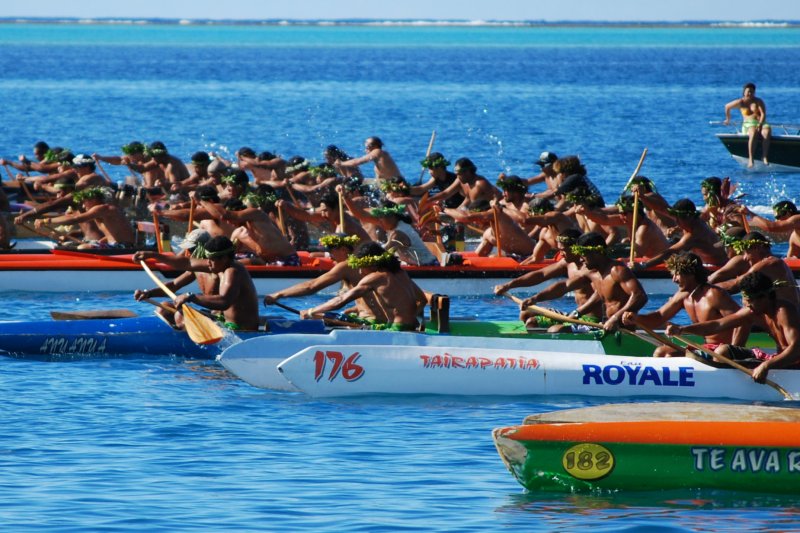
<point x="257" y="362"/>
<point x="339" y="370"/>
<point x="60" y="280"/>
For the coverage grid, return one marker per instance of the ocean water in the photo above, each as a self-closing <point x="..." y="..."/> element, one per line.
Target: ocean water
<point x="162" y="443"/>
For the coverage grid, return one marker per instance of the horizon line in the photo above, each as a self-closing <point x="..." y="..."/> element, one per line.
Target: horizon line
<point x="756" y="23"/>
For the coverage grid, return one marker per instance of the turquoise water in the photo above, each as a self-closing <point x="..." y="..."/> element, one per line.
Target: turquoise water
<point x="167" y="444"/>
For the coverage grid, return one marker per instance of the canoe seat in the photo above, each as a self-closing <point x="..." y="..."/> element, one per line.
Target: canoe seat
<point x="440" y="312"/>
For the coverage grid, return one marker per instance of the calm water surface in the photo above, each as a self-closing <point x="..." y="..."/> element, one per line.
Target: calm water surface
<point x="167" y="444"/>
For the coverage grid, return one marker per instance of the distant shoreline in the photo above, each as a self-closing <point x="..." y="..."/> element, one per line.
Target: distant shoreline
<point x="403" y="23"/>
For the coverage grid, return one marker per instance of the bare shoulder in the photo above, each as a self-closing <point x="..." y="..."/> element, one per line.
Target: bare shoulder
<point x="621" y="272"/>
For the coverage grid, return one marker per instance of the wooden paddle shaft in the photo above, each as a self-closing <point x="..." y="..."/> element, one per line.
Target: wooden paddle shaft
<point x="102" y="170"/>
<point x="332" y="321"/>
<point x="427" y="154"/>
<point x="341" y="211"/>
<point x="732" y="363"/>
<point x="281" y="223"/>
<point x="636" y="172"/>
<point x="158" y="304"/>
<point x="157" y="281"/>
<point x="8" y="171"/>
<point x="192" y="206"/>
<point x="49" y="235"/>
<point x="199" y="327"/>
<point x="497" y="233"/>
<point x="554" y="315"/>
<point x="634" y="223"/>
<point x="159" y="244"/>
<point x="661" y="339"/>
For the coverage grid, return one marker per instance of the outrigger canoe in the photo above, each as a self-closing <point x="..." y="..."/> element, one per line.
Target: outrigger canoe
<point x="257" y="363"/>
<point x="346" y="363"/>
<point x="149" y="335"/>
<point x="655" y="446"/>
<point x="76" y="272"/>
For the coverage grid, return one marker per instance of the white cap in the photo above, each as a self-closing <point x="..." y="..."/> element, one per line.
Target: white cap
<point x="196" y="236"/>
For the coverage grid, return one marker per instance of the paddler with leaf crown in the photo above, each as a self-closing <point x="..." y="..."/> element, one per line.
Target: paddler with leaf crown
<point x="701" y="300"/>
<point x="236" y="302"/>
<point x="761" y="305"/>
<point x="400" y="298"/>
<point x="193" y="248"/>
<point x="339" y="246"/>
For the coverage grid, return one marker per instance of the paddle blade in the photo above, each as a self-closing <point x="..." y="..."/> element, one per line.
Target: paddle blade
<point x="201" y="329"/>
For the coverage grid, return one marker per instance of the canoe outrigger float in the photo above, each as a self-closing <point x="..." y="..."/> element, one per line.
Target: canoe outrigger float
<point x="149" y="335"/>
<point x="655" y="446"/>
<point x="357" y="363"/>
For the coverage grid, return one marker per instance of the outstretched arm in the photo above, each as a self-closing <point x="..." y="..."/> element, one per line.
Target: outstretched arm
<point x="534" y="277"/>
<point x="743" y="317"/>
<point x="311" y="286"/>
<point x="364" y="287"/>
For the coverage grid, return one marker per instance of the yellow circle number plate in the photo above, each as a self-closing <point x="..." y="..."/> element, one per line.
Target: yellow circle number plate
<point x="588" y="461"/>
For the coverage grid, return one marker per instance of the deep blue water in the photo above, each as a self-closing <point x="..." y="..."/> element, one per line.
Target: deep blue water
<point x="166" y="444"/>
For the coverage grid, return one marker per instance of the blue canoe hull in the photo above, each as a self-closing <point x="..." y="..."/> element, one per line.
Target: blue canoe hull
<point x="140" y="336"/>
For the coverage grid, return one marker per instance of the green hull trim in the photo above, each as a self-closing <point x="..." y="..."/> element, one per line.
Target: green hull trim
<point x="613" y="344"/>
<point x="558" y="467"/>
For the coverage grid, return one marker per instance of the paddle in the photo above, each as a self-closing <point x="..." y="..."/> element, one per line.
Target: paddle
<point x="160" y="305"/>
<point x="8" y="171"/>
<point x="661" y="338"/>
<point x="22" y="184"/>
<point x="635" y="172"/>
<point x="732" y="363"/>
<point x="200" y="328"/>
<point x="192" y="206"/>
<point x="51" y="234"/>
<point x="554" y="315"/>
<point x="633" y="225"/>
<point x="564" y="318"/>
<point x="341" y="210"/>
<point x="281" y="224"/>
<point x="102" y="170"/>
<point x="332" y="321"/>
<point x="92" y="314"/>
<point x="497" y="232"/>
<point x="427" y="155"/>
<point x="159" y="243"/>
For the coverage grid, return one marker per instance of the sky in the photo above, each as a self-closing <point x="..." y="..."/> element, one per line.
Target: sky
<point x="547" y="10"/>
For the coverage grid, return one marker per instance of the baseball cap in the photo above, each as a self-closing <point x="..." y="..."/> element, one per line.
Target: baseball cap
<point x="545" y="158"/>
<point x="200" y="236"/>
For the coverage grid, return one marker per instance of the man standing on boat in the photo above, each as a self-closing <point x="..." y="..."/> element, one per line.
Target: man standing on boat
<point x="762" y="307"/>
<point x="402" y="300"/>
<point x="754" y="121"/>
<point x="385" y="167"/>
<point x="701" y="300"/>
